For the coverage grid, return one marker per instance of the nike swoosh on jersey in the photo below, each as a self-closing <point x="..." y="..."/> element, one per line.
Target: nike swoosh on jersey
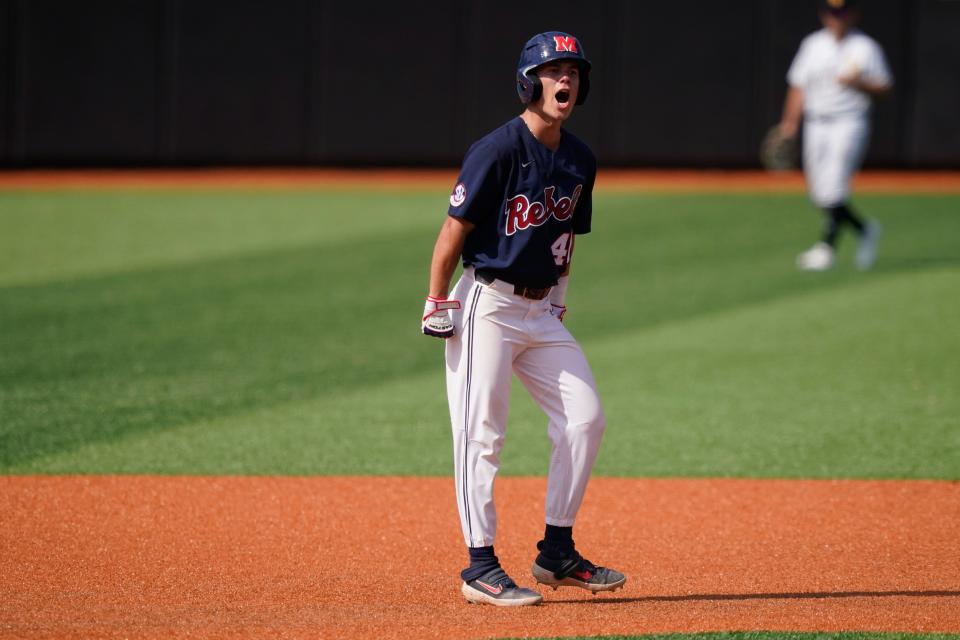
<point x="527" y="164"/>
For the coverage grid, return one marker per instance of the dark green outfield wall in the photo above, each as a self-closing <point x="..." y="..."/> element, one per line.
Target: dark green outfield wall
<point x="177" y="82"/>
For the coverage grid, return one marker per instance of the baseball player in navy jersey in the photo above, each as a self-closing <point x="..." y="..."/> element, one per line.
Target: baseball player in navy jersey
<point x="833" y="79"/>
<point x="524" y="191"/>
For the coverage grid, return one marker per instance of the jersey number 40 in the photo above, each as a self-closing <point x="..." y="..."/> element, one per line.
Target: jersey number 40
<point x="561" y="248"/>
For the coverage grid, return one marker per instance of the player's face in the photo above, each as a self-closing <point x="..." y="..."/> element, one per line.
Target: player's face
<point x="561" y="83"/>
<point x="841" y="22"/>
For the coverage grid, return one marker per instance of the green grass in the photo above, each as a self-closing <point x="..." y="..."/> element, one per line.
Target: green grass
<point x="277" y="333"/>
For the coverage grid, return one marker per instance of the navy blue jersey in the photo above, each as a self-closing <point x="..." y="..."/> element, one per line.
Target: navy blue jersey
<point x="526" y="202"/>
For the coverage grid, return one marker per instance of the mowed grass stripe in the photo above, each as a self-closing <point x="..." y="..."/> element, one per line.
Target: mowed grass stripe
<point x="94" y="359"/>
<point x="756" y="401"/>
<point x="193" y="348"/>
<point x="59" y="236"/>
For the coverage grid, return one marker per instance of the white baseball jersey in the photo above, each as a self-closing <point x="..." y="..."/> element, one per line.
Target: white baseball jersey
<point x="822" y="59"/>
<point x="836" y="117"/>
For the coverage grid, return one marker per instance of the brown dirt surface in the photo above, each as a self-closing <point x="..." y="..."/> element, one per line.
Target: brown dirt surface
<point x="328" y="557"/>
<point x="442" y="179"/>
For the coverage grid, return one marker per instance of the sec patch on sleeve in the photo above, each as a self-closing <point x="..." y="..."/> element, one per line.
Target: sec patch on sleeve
<point x="459" y="195"/>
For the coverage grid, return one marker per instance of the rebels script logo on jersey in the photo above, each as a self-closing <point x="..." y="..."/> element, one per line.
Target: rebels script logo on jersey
<point x="523" y="214"/>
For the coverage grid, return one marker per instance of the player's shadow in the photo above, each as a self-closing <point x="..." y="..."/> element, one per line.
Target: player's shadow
<point x="914" y="263"/>
<point x="807" y="595"/>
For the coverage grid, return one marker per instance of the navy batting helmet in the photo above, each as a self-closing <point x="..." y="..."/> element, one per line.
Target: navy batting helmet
<point x="547" y="47"/>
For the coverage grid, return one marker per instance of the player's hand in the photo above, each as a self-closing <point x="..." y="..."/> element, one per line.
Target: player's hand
<point x="436" y="321"/>
<point x="859" y="83"/>
<point x="849" y="80"/>
<point x="849" y="76"/>
<point x="558" y="311"/>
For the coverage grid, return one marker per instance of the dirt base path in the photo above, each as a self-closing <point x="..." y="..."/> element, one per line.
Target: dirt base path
<point x="872" y="181"/>
<point x="201" y="557"/>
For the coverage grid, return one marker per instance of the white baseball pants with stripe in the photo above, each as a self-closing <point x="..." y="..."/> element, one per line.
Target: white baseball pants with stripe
<point x="499" y="333"/>
<point x="832" y="152"/>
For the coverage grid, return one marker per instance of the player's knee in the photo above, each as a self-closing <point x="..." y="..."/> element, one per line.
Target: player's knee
<point x="587" y="426"/>
<point x="830" y="196"/>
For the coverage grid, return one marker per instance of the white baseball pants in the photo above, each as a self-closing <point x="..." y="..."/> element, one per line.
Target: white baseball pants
<point x="498" y="332"/>
<point x="832" y="152"/>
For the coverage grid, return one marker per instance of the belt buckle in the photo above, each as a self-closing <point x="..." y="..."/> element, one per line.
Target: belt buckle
<point x="530" y="293"/>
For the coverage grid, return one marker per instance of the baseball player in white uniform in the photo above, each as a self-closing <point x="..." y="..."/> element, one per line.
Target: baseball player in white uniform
<point x="524" y="191"/>
<point x="833" y="79"/>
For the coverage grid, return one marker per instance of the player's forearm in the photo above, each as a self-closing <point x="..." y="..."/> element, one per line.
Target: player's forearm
<point x="441" y="271"/>
<point x="792" y="112"/>
<point x="874" y="89"/>
<point x="446" y="255"/>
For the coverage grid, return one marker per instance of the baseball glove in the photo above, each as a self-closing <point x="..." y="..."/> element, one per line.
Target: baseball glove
<point x="778" y="152"/>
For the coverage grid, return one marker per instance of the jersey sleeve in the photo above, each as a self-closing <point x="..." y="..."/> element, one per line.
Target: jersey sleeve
<point x="799" y="71"/>
<point x="583" y="214"/>
<point x="477" y="194"/>
<point x="875" y="68"/>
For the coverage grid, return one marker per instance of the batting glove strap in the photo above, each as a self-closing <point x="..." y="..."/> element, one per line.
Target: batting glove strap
<point x="558" y="296"/>
<point x="436" y="319"/>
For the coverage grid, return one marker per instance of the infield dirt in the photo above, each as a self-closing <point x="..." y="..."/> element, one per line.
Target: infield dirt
<point x="334" y="557"/>
<point x="875" y="181"/>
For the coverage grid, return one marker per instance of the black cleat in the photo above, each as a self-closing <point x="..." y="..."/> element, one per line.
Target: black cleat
<point x="576" y="571"/>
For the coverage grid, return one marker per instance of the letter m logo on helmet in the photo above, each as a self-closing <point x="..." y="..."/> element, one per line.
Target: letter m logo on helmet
<point x="566" y="43"/>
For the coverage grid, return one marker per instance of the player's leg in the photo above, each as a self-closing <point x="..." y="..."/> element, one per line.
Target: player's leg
<point x="557" y="375"/>
<point x="478" y="390"/>
<point x="816" y="169"/>
<point x="843" y="152"/>
<point x="561" y="383"/>
<point x="856" y="135"/>
<point x="849" y="139"/>
<point x="841" y="216"/>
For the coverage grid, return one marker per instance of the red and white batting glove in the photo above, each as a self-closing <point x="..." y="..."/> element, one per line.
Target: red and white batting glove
<point x="558" y="296"/>
<point x="436" y="321"/>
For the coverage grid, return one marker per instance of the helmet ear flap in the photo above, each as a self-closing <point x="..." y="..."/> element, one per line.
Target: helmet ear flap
<point x="584" y="87"/>
<point x="529" y="87"/>
<point x="537" y="86"/>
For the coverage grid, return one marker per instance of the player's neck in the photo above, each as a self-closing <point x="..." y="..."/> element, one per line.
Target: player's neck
<point x="545" y="130"/>
<point x="839" y="32"/>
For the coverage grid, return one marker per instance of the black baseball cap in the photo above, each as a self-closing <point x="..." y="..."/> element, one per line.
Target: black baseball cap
<point x="838" y="6"/>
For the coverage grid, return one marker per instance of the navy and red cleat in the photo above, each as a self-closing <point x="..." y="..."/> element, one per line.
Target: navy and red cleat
<point x="495" y="587"/>
<point x="576" y="571"/>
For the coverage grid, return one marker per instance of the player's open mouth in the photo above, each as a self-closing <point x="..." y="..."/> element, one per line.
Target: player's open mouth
<point x="563" y="97"/>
